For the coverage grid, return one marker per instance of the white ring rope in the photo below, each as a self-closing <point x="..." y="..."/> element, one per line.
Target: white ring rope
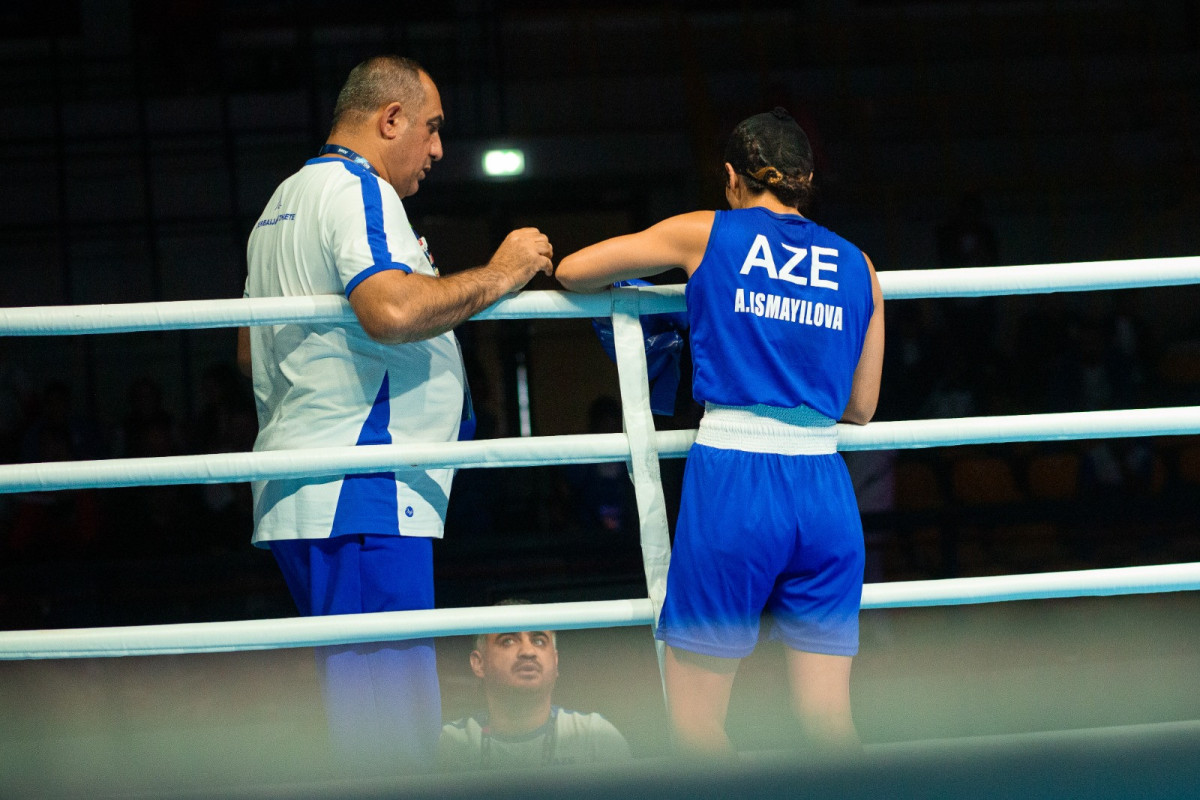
<point x="896" y="284"/>
<point x="329" y="308"/>
<point x="267" y="634"/>
<point x="1083" y="276"/>
<point x="298" y="632"/>
<point x="918" y="433"/>
<point x="571" y="449"/>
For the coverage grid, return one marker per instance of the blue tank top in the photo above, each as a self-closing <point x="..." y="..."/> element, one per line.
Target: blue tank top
<point x="778" y="310"/>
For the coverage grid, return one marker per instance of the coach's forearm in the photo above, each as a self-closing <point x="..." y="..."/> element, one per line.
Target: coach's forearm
<point x="397" y="307"/>
<point x="414" y="307"/>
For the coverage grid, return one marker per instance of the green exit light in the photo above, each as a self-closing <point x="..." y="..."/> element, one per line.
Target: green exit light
<point x="503" y="163"/>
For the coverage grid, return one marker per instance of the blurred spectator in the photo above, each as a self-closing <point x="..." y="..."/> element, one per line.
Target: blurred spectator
<point x="1101" y="372"/>
<point x="967" y="239"/>
<point x="1130" y="348"/>
<point x="62" y="524"/>
<point x="145" y="517"/>
<point x="225" y="422"/>
<point x="479" y="495"/>
<point x="601" y="495"/>
<point x="148" y="428"/>
<point x="16" y="400"/>
<point x="873" y="473"/>
<point x="956" y="385"/>
<point x="1103" y="365"/>
<point x="520" y="726"/>
<point x="911" y="365"/>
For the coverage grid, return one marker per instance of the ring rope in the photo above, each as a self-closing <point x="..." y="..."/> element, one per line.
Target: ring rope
<point x="309" y="309"/>
<point x="896" y="285"/>
<point x="1082" y="276"/>
<point x="268" y="634"/>
<point x="618" y="303"/>
<point x="572" y="449"/>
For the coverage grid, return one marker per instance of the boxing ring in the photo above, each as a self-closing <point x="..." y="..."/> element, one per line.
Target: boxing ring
<point x="640" y="446"/>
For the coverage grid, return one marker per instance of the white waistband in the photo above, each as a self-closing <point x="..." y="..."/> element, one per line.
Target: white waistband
<point x="768" y="429"/>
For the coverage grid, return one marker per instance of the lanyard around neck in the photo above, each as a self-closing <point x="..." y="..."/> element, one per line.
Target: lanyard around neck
<point x="346" y="152"/>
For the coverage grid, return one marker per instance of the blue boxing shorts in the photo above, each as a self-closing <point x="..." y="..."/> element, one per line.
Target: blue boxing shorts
<point x="764" y="532"/>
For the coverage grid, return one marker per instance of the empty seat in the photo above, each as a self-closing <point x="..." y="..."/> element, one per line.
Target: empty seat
<point x="1053" y="476"/>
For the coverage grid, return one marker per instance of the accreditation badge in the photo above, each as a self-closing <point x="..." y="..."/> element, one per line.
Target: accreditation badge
<point x="425" y="249"/>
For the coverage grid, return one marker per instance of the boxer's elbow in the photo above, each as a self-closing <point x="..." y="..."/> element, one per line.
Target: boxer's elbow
<point x="572" y="274"/>
<point x="860" y="410"/>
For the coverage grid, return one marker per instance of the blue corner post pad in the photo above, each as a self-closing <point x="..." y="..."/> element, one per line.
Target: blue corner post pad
<point x="664" y="347"/>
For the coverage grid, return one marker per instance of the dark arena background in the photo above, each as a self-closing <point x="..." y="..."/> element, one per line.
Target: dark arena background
<point x="141" y="140"/>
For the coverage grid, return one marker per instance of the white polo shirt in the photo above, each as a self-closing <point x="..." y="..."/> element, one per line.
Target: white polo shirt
<point x="567" y="738"/>
<point x="325" y="229"/>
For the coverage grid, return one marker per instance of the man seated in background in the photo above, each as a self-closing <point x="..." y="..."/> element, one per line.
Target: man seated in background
<point x="521" y="728"/>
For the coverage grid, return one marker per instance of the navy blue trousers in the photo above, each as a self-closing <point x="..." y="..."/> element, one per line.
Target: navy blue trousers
<point x="382" y="699"/>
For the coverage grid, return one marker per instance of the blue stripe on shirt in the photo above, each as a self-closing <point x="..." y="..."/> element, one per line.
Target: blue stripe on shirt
<point x="376" y="235"/>
<point x="367" y="502"/>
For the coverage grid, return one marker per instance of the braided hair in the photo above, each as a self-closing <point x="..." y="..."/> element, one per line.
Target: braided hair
<point x="772" y="153"/>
